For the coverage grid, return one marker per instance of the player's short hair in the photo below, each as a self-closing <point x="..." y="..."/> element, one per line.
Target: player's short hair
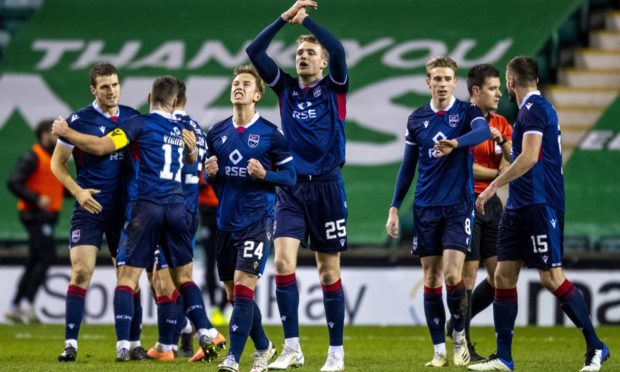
<point x="478" y="74"/>
<point x="525" y="69"/>
<point x="164" y="91"/>
<point x="440" y="62"/>
<point x="249" y="69"/>
<point x="312" y="39"/>
<point x="43" y="127"/>
<point x="101" y="69"/>
<point x="181" y="95"/>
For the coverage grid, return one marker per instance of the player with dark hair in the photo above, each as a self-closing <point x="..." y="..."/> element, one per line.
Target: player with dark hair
<point x="247" y="158"/>
<point x="99" y="191"/>
<point x="532" y="228"/>
<point x="490" y="158"/>
<point x="439" y="138"/>
<point x="40" y="201"/>
<point x="312" y="109"/>
<point x="156" y="213"/>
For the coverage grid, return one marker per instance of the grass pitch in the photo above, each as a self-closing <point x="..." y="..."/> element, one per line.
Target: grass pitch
<point x="548" y="349"/>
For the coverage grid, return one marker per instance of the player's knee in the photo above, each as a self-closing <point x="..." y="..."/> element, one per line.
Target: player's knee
<point x="453" y="278"/>
<point x="80" y="276"/>
<point x="504" y="280"/>
<point x="328" y="277"/>
<point x="283" y="266"/>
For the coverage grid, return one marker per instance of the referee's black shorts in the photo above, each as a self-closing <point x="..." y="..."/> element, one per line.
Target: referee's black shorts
<point x="484" y="238"/>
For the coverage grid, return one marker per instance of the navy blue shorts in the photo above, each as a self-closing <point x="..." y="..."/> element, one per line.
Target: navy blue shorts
<point x="150" y="225"/>
<point x="444" y="227"/>
<point x="533" y="234"/>
<point x="88" y="228"/>
<point x="244" y="250"/>
<point x="314" y="211"/>
<point x="484" y="239"/>
<point x="160" y="260"/>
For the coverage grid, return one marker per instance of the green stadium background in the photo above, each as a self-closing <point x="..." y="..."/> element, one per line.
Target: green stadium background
<point x="45" y="74"/>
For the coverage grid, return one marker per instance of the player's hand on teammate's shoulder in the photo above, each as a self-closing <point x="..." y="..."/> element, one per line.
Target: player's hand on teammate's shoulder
<point x="86" y="200"/>
<point x="60" y="126"/>
<point x="256" y="169"/>
<point x="291" y="13"/>
<point x="444" y="147"/>
<point x="211" y="166"/>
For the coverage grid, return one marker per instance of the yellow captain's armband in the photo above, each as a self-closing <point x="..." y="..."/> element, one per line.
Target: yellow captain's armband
<point x="119" y="137"/>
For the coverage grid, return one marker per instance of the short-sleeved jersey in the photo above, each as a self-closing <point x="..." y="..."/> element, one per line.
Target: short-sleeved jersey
<point x="313" y="122"/>
<point x="190" y="173"/>
<point x="447" y="180"/>
<point x="157" y="153"/>
<point x="489" y="153"/>
<point x="105" y="173"/>
<point x="242" y="199"/>
<point x="544" y="182"/>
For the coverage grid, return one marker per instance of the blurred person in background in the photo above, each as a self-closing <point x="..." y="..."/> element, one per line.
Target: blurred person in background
<point x="40" y="201"/>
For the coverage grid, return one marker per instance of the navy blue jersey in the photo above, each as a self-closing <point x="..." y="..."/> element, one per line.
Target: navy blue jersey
<point x="544" y="182"/>
<point x="447" y="180"/>
<point x="242" y="199"/>
<point x="190" y="174"/>
<point x="313" y="122"/>
<point x="104" y="173"/>
<point x="157" y="152"/>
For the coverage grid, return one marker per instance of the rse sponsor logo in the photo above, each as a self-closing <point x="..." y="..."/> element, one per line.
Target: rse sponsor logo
<point x="304" y="115"/>
<point x="236" y="171"/>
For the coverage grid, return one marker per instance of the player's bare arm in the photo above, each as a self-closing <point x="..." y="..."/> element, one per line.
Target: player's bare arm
<point x="211" y="166"/>
<point x="59" y="167"/>
<point x="293" y="10"/>
<point x="392" y="223"/>
<point x="91" y="144"/>
<point x="522" y="164"/>
<point x="191" y="151"/>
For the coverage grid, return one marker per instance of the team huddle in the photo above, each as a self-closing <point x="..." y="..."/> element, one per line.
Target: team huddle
<point x="138" y="182"/>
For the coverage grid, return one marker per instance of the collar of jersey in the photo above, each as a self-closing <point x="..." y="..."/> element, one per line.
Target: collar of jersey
<point x="435" y="110"/>
<point x="302" y="87"/>
<point x="527" y="96"/>
<point x="99" y="110"/>
<point x="165" y="114"/>
<point x="178" y="113"/>
<point x="254" y="119"/>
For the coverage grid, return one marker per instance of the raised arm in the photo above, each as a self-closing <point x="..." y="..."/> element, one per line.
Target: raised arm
<point x="91" y="144"/>
<point x="337" y="58"/>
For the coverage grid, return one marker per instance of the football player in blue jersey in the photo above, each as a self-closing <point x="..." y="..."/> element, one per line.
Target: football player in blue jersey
<point x="156" y="214"/>
<point x="99" y="201"/>
<point x="161" y="282"/>
<point x="439" y="140"/>
<point x="313" y="213"/>
<point x="247" y="158"/>
<point x="531" y="230"/>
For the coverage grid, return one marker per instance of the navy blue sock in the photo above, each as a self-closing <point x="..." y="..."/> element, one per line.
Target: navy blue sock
<point x="181" y="321"/>
<point x="123" y="311"/>
<point x="74" y="311"/>
<point x="195" y="306"/>
<point x="287" y="297"/>
<point x="135" y="330"/>
<point x="575" y="307"/>
<point x="257" y="333"/>
<point x="167" y="315"/>
<point x="241" y="320"/>
<point x="435" y="314"/>
<point x="505" y="308"/>
<point x="456" y="299"/>
<point x="333" y="301"/>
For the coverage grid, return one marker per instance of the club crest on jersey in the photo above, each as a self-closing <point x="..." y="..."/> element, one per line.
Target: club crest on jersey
<point x="75" y="236"/>
<point x="453" y="120"/>
<point x="253" y="140"/>
<point x="317" y="92"/>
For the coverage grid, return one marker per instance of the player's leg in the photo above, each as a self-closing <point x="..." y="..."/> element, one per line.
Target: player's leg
<point x="328" y="265"/>
<point x="128" y="277"/>
<point x="289" y="232"/>
<point x="166" y="296"/>
<point x="432" y="267"/>
<point x="83" y="259"/>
